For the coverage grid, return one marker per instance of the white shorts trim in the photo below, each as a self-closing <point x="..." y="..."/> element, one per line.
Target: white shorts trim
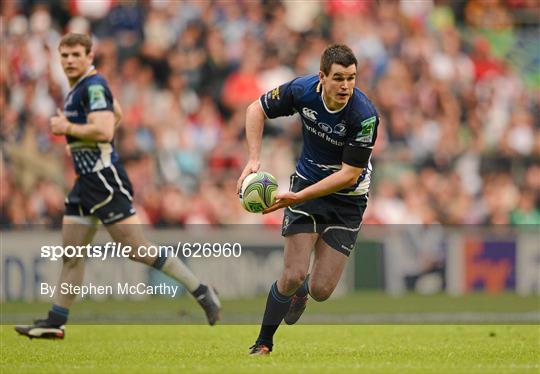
<point x="108" y="199"/>
<point x="301" y="176"/>
<point x="117" y="178"/>
<point x="341" y="228"/>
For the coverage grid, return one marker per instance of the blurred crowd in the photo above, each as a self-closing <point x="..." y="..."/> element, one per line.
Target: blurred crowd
<point x="456" y="84"/>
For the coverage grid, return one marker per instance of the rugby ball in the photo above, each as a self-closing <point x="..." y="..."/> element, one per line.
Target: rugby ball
<point x="258" y="191"/>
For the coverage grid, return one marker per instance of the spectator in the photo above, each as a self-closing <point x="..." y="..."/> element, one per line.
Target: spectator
<point x="459" y="138"/>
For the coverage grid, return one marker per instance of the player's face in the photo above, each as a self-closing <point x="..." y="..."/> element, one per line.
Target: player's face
<point x="75" y="61"/>
<point x="338" y="85"/>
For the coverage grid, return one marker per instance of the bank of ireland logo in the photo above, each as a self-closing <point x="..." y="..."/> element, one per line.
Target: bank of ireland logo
<point x="309" y="114"/>
<point x="325" y="127"/>
<point x="340" y="129"/>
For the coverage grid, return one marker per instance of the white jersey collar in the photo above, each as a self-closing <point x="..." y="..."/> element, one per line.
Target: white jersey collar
<point x="90" y="70"/>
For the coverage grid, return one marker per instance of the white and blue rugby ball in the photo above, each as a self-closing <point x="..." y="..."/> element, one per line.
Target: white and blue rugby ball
<point x="258" y="191"/>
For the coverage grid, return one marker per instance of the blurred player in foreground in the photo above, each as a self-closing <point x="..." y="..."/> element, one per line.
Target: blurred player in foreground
<point x="102" y="190"/>
<point x="329" y="190"/>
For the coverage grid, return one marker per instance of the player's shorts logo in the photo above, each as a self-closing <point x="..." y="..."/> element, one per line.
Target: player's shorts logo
<point x="113" y="217"/>
<point x="309" y="114"/>
<point x="325" y="127"/>
<point x="286" y="222"/>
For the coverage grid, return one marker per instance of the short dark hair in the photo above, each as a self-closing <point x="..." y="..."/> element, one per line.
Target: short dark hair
<point x="337" y="54"/>
<point x="72" y="39"/>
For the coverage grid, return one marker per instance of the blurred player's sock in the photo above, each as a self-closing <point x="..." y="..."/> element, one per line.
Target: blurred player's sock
<point x="277" y="306"/>
<point x="58" y="315"/>
<point x="200" y="290"/>
<point x="176" y="269"/>
<point x="205" y="296"/>
<point x="209" y="301"/>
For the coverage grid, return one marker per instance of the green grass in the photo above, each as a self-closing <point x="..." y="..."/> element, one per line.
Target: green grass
<point x="303" y="348"/>
<point x="98" y="342"/>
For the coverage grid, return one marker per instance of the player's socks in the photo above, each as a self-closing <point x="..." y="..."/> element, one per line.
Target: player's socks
<point x="205" y="296"/>
<point x="199" y="291"/>
<point x="303" y="290"/>
<point x="58" y="315"/>
<point x="277" y="306"/>
<point x="176" y="269"/>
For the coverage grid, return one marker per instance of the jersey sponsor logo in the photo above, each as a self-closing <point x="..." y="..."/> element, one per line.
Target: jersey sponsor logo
<point x="325" y="127"/>
<point x="323" y="133"/>
<point x="96" y="94"/>
<point x="365" y="135"/>
<point x="309" y="114"/>
<point x="340" y="129"/>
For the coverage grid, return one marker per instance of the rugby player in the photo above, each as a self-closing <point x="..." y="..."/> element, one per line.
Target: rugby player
<point x="329" y="189"/>
<point x="102" y="190"/>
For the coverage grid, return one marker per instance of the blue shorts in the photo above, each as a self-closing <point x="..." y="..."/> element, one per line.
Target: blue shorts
<point x="336" y="218"/>
<point x="105" y="194"/>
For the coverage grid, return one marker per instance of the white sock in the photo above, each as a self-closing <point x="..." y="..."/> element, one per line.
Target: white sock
<point x="175" y="268"/>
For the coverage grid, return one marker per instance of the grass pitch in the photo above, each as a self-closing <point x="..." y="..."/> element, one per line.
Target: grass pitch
<point x="302" y="348"/>
<point x="161" y="335"/>
<point x="355" y="308"/>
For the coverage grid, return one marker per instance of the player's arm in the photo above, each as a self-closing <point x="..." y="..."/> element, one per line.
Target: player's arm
<point x="100" y="126"/>
<point x="275" y="103"/>
<point x="344" y="178"/>
<point x="254" y="130"/>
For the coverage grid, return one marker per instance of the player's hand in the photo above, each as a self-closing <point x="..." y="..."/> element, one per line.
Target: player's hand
<point x="283" y="200"/>
<point x="59" y="123"/>
<point x="251" y="167"/>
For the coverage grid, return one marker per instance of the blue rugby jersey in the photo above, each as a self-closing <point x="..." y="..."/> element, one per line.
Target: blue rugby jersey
<point x="325" y="132"/>
<point x="90" y="94"/>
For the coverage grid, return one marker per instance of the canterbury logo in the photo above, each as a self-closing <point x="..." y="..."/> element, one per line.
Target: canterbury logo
<point x="309" y="113"/>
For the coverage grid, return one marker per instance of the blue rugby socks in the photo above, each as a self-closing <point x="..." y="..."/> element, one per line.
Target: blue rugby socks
<point x="277" y="306"/>
<point x="58" y="315"/>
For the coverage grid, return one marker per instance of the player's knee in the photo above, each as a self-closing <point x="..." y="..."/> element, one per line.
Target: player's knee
<point x="293" y="278"/>
<point x="320" y="292"/>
